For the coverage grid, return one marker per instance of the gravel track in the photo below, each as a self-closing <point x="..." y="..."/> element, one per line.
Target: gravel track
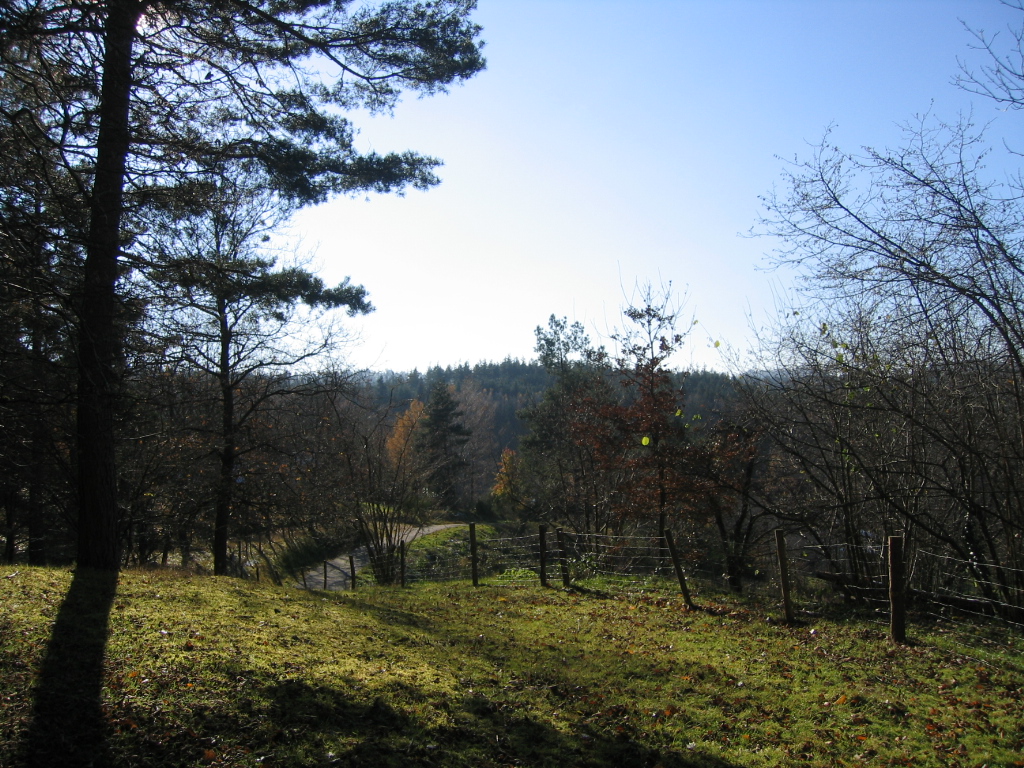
<point x="338" y="577"/>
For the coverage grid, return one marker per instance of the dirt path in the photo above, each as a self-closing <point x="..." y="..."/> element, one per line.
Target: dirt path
<point x="338" y="577"/>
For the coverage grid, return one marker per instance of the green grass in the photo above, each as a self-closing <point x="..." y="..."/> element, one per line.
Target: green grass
<point x="437" y="555"/>
<point x="200" y="671"/>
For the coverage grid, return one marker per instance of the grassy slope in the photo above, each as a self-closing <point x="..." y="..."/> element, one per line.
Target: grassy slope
<point x="202" y="671"/>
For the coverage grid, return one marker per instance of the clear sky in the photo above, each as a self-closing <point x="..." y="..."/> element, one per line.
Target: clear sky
<point x="613" y="143"/>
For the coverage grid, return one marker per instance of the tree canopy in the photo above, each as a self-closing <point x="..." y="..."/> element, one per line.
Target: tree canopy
<point x="129" y="100"/>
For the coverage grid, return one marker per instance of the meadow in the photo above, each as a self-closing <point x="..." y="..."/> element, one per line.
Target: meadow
<point x="164" y="668"/>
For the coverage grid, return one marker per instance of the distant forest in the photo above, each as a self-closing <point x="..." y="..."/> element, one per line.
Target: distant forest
<point x="511" y="385"/>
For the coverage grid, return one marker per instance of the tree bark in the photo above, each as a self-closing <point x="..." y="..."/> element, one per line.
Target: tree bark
<point x="228" y="449"/>
<point x="99" y="343"/>
<point x="10" y="528"/>
<point x="37" y="528"/>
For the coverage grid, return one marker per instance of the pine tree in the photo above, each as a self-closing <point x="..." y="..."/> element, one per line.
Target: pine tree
<point x="144" y="94"/>
<point x="441" y="437"/>
<point x="227" y="312"/>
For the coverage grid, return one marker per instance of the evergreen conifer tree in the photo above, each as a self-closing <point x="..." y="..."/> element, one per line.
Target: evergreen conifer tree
<point x="137" y="96"/>
<point x="442" y="436"/>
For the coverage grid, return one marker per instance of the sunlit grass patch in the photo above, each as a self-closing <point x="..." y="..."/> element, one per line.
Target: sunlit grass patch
<point x="203" y="671"/>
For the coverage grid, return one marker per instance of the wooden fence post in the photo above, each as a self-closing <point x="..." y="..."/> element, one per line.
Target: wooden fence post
<point x="472" y="554"/>
<point x="352" y="571"/>
<point x="780" y="548"/>
<point x="566" y="582"/>
<point x="401" y="562"/>
<point x="325" y="575"/>
<point x="543" y="555"/>
<point x="679" y="571"/>
<point x="897" y="595"/>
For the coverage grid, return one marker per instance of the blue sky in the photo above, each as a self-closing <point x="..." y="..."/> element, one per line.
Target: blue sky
<point x="613" y="143"/>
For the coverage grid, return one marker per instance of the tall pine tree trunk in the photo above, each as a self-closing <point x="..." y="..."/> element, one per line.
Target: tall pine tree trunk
<point x="10" y="499"/>
<point x="37" y="527"/>
<point x="228" y="450"/>
<point x="99" y="341"/>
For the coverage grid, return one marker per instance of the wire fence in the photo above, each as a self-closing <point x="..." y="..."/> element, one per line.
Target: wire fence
<point x="852" y="573"/>
<point x="508" y="560"/>
<point x="984" y="590"/>
<point x="983" y="598"/>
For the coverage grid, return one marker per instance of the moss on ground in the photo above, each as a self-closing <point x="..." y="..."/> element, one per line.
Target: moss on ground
<point x="201" y="671"/>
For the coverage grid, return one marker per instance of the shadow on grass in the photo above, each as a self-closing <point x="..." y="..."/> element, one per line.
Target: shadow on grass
<point x="486" y="731"/>
<point x="68" y="727"/>
<point x="482" y="733"/>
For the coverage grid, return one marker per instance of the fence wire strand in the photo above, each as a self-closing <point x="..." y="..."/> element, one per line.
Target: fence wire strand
<point x="938" y="586"/>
